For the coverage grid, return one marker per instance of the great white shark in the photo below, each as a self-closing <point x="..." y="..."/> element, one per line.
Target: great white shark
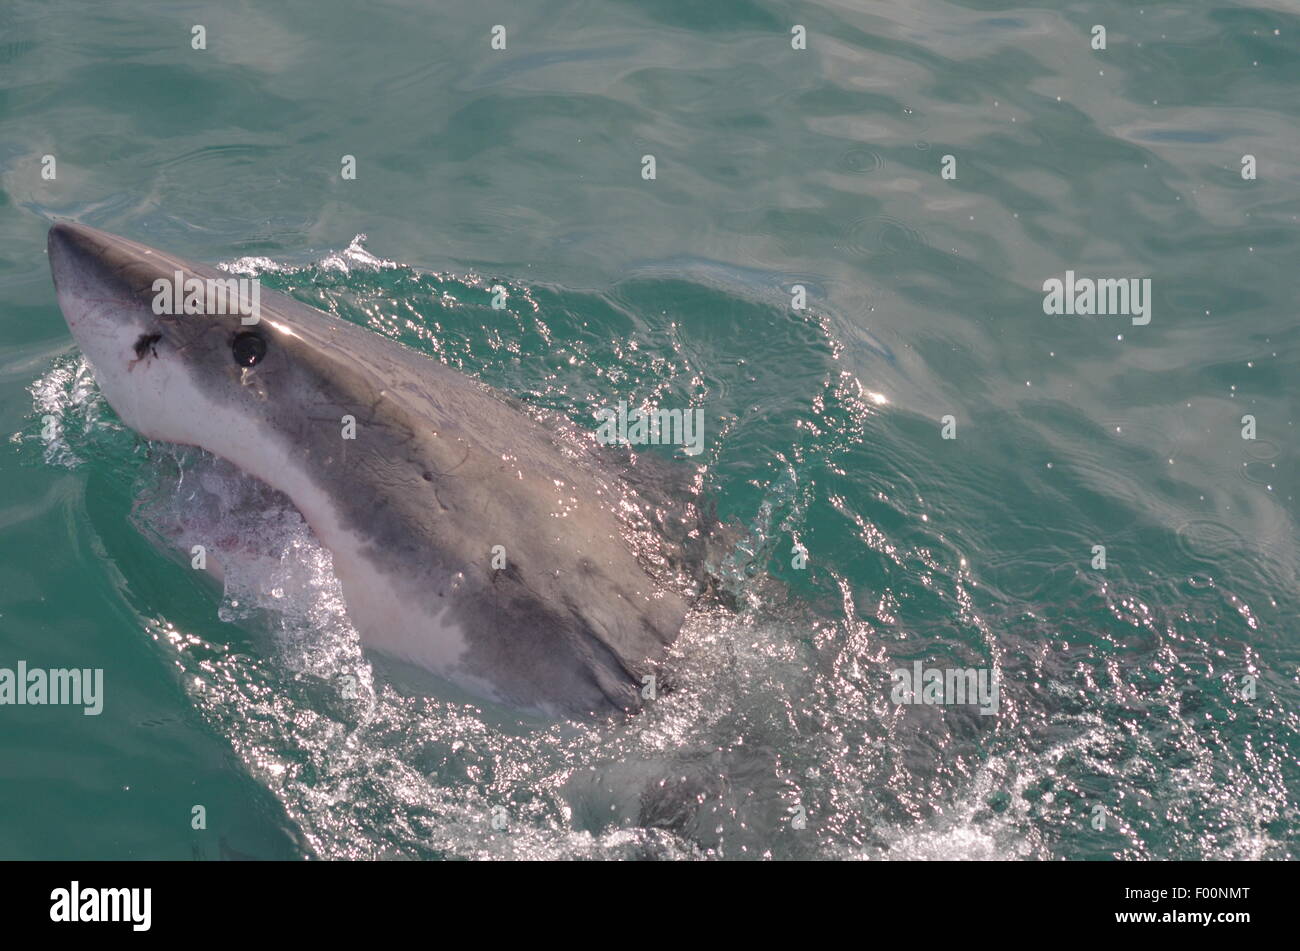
<point x="563" y="617"/>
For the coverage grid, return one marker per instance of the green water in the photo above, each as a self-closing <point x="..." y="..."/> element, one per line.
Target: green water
<point x="1121" y="688"/>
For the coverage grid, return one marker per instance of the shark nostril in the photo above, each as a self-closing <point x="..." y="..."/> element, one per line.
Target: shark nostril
<point x="146" y="342"/>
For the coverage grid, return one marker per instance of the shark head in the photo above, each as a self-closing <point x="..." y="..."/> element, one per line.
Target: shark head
<point x="467" y="540"/>
<point x="179" y="349"/>
<point x="188" y="354"/>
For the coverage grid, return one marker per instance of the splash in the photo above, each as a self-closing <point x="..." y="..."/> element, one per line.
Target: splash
<point x="778" y="705"/>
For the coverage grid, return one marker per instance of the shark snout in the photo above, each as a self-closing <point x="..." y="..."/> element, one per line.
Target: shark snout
<point x="84" y="257"/>
<point x="100" y="281"/>
<point x="63" y="250"/>
<point x="67" y="238"/>
<point x="78" y="268"/>
<point x="76" y="254"/>
<point x="96" y="278"/>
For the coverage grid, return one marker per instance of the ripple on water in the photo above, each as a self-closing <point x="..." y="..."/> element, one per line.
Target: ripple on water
<point x="1259" y="467"/>
<point x="861" y="161"/>
<point x="1204" y="539"/>
<point x="1259" y="473"/>
<point x="1261" y="450"/>
<point x="883" y="234"/>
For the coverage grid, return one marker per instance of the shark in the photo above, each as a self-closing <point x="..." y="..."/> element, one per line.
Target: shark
<point x="471" y="537"/>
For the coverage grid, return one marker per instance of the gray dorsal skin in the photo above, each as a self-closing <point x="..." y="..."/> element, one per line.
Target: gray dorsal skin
<point x="442" y="469"/>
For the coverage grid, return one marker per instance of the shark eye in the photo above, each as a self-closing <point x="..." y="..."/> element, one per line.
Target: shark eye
<point x="248" y="348"/>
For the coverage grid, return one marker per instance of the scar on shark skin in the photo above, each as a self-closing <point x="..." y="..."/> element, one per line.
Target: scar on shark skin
<point x="146" y="342"/>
